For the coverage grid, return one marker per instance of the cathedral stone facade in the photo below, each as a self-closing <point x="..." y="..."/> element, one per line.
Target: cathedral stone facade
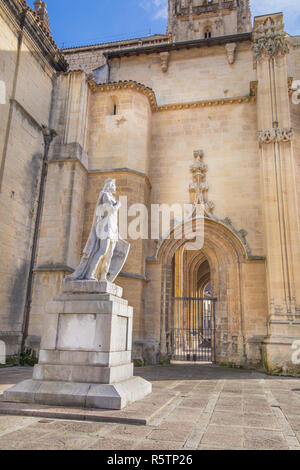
<point x="206" y="111"/>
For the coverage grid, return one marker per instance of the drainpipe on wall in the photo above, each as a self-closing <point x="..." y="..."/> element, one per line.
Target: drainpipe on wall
<point x="49" y="135"/>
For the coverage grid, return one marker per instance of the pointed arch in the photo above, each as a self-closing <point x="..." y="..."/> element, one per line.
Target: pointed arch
<point x="225" y="253"/>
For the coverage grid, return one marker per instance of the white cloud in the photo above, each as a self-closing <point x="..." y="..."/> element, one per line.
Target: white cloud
<point x="290" y="9"/>
<point x="158" y="9"/>
<point x="271" y="6"/>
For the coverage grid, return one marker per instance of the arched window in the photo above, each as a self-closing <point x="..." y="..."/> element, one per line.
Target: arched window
<point x="207" y="33"/>
<point x="207" y="290"/>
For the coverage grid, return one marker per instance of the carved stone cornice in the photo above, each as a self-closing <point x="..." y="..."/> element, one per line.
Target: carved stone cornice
<point x="125" y="85"/>
<point x="26" y="20"/>
<point x="29" y="22"/>
<point x="135" y="86"/>
<point x="276" y="135"/>
<point x="269" y="37"/>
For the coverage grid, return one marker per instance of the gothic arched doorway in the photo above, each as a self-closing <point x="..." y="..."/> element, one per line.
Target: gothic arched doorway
<point x="222" y="262"/>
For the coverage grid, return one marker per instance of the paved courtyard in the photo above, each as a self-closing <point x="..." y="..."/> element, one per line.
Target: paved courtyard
<point x="213" y="408"/>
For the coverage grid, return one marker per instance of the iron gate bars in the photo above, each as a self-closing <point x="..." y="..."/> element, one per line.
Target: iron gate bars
<point x="193" y="329"/>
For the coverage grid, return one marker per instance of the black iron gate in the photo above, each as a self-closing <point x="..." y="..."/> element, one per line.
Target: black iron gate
<point x="193" y="329"/>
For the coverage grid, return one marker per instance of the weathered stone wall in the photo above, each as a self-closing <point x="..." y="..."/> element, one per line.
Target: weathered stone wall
<point x="26" y="108"/>
<point x="86" y="60"/>
<point x="255" y="308"/>
<point x="294" y="74"/>
<point x="226" y="133"/>
<point x="60" y="237"/>
<point x="89" y="58"/>
<point x="200" y="73"/>
<point x="121" y="140"/>
<point x="190" y="20"/>
<point x="228" y="136"/>
<point x="211" y="22"/>
<point x="8" y="59"/>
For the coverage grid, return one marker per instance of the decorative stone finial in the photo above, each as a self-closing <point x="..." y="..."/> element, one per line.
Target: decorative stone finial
<point x="40" y="9"/>
<point x="199" y="186"/>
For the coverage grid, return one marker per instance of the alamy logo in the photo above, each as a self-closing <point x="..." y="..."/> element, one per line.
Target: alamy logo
<point x="296" y="353"/>
<point x="296" y="92"/>
<point x="2" y="92"/>
<point x="161" y="222"/>
<point x="2" y="353"/>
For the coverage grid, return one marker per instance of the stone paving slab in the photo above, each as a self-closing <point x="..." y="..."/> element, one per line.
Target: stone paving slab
<point x="205" y="408"/>
<point x="139" y="413"/>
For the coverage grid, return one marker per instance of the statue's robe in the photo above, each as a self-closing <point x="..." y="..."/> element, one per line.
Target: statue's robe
<point x="105" y="226"/>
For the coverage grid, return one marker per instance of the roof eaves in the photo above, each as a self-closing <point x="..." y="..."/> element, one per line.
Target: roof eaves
<point x="180" y="45"/>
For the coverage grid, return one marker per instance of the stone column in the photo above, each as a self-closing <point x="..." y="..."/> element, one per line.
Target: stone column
<point x="279" y="191"/>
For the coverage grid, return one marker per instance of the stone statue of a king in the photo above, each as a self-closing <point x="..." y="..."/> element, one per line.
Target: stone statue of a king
<point x="85" y="356"/>
<point x="105" y="252"/>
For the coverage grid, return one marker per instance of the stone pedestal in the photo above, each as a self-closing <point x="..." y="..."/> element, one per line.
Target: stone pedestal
<point x="85" y="357"/>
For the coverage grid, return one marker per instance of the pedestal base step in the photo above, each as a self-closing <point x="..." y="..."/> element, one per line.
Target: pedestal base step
<point x="83" y="395"/>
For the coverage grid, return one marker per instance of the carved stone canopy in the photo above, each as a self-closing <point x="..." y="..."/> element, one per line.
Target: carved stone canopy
<point x="269" y="37"/>
<point x="199" y="186"/>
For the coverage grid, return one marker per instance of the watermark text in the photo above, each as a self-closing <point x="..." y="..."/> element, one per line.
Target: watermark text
<point x="296" y="353"/>
<point x="162" y="221"/>
<point x="2" y="352"/>
<point x="296" y="92"/>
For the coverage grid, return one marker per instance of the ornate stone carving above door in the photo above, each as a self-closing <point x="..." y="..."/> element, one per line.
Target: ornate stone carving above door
<point x="199" y="187"/>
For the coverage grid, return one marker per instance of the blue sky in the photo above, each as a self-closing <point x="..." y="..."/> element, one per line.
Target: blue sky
<point x="76" y="22"/>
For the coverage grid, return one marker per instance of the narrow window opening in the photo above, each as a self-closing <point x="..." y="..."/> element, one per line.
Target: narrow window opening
<point x="112" y="106"/>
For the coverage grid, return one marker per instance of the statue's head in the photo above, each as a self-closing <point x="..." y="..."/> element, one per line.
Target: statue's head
<point x="110" y="186"/>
